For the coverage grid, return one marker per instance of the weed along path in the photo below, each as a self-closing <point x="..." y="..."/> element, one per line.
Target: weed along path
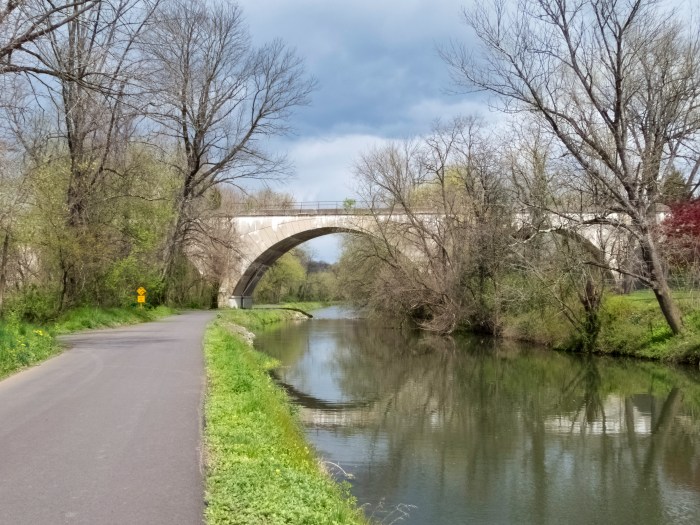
<point x="109" y="432"/>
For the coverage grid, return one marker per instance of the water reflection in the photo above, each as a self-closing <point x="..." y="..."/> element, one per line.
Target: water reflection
<point x="470" y="430"/>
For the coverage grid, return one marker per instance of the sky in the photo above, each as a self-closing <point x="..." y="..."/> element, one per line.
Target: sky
<point x="379" y="78"/>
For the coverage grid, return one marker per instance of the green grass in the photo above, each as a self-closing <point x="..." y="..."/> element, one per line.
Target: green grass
<point x="267" y="315"/>
<point x="90" y="317"/>
<point x="548" y="328"/>
<point x="260" y="470"/>
<point x="23" y="344"/>
<point x="257" y="320"/>
<point x="633" y="325"/>
<point x="304" y="306"/>
<point x="307" y="306"/>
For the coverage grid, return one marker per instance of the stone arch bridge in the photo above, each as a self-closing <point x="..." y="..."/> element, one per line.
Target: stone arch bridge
<point x="265" y="234"/>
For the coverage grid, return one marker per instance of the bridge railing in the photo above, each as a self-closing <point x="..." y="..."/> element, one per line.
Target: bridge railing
<point x="352" y="207"/>
<point x="305" y="208"/>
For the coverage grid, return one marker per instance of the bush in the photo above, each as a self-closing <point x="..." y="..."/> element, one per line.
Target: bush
<point x="125" y="276"/>
<point x="34" y="304"/>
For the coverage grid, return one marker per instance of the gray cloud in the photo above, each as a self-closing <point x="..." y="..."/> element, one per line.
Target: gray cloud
<point x="379" y="78"/>
<point x="375" y="61"/>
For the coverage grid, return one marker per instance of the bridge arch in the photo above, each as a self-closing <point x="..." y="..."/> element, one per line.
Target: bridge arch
<point x="264" y="239"/>
<point x="256" y="269"/>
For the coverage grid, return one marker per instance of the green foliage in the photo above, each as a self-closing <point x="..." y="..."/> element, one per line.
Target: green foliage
<point x="101" y="261"/>
<point x="34" y="303"/>
<point x="282" y="281"/>
<point x="188" y="288"/>
<point x="23" y="344"/>
<point x="543" y="326"/>
<point x="90" y="317"/>
<point x="259" y="468"/>
<point x="633" y="325"/>
<point x="126" y="275"/>
<point x="320" y="286"/>
<point x="357" y="271"/>
<point x="257" y="320"/>
<point x="674" y="187"/>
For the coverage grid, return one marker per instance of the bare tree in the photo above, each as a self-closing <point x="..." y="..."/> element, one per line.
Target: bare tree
<point x="557" y="268"/>
<point x="617" y="83"/>
<point x="441" y="227"/>
<point x="218" y="98"/>
<point x="26" y="23"/>
<point x="92" y="102"/>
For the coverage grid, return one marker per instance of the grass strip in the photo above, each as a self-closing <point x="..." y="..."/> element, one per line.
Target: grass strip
<point x="24" y="344"/>
<point x="86" y="317"/>
<point x="307" y="306"/>
<point x="260" y="469"/>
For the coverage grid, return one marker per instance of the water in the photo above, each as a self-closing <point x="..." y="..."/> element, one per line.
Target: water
<point x="480" y="431"/>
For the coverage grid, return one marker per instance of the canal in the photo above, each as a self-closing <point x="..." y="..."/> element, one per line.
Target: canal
<point x="472" y="430"/>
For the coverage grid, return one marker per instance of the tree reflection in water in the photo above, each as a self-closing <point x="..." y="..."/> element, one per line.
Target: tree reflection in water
<point x="475" y="429"/>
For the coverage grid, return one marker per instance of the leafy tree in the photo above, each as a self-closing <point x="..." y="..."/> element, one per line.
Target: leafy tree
<point x="681" y="240"/>
<point x="281" y="281"/>
<point x="92" y="103"/>
<point x="320" y="286"/>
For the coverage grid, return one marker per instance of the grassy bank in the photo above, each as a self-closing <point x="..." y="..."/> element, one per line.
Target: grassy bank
<point x="631" y="325"/>
<point x="23" y="344"/>
<point x="89" y="317"/>
<point x="306" y="306"/>
<point x="260" y="469"/>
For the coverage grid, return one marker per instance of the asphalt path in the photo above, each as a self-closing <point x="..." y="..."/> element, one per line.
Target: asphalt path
<point x="108" y="432"/>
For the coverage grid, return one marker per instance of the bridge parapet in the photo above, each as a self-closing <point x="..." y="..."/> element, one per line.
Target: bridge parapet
<point x="306" y="208"/>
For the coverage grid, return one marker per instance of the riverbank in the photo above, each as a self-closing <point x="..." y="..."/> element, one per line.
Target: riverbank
<point x="631" y="325"/>
<point x="305" y="307"/>
<point x="260" y="468"/>
<point x="25" y="344"/>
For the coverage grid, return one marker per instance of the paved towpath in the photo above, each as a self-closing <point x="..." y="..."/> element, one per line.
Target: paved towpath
<point x="109" y="432"/>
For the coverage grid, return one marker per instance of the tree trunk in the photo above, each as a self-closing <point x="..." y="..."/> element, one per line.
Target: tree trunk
<point x="659" y="284"/>
<point x="591" y="304"/>
<point x="3" y="268"/>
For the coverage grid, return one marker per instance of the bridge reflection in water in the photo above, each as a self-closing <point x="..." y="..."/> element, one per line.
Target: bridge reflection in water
<point x="614" y="422"/>
<point x="476" y="431"/>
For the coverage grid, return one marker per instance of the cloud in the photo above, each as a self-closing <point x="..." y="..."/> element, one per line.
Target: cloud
<point x="373" y="61"/>
<point x="306" y="23"/>
<point x="379" y="79"/>
<point x="324" y="166"/>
